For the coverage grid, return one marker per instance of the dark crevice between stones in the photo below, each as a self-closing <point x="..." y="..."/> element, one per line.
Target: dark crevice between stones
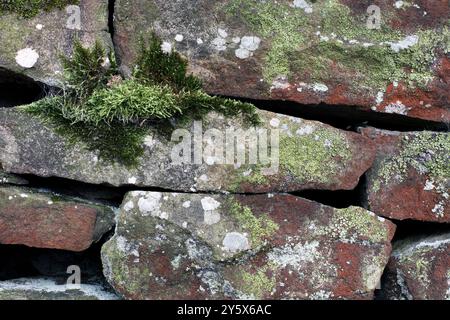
<point x="18" y="261"/>
<point x="336" y="198"/>
<point x="100" y="193"/>
<point x="413" y="228"/>
<point x="17" y="89"/>
<point x="113" y="196"/>
<point x="111" y="7"/>
<point x="348" y="118"/>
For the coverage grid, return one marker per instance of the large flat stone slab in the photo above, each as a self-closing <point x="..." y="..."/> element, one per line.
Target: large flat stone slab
<point x="310" y="155"/>
<point x="199" y="246"/>
<point x="389" y="58"/>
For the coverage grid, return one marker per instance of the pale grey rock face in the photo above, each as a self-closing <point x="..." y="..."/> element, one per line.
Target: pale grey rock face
<point x="257" y="246"/>
<point x="310" y="155"/>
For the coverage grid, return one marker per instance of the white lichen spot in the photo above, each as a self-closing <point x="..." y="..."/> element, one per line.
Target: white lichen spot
<point x="199" y="41"/>
<point x="39" y="26"/>
<point x="204" y="177"/>
<point x="405" y="43"/>
<point x="149" y="141"/>
<point x="274" y="122"/>
<point x="186" y="204"/>
<point x="242" y="53"/>
<point x="380" y="97"/>
<point x="179" y="38"/>
<point x="50" y="202"/>
<point x="128" y="206"/>
<point x="397" y="108"/>
<point x="235" y="242"/>
<point x="176" y="262"/>
<point x="209" y="204"/>
<point x="319" y="87"/>
<point x="294" y="255"/>
<point x="398" y="4"/>
<point x="219" y="43"/>
<point x="150" y="203"/>
<point x="251" y="43"/>
<point x="222" y="33"/>
<point x="166" y="47"/>
<point x="132" y="180"/>
<point x="280" y="83"/>
<point x="429" y="185"/>
<point x="302" y="4"/>
<point x="248" y="45"/>
<point x="308" y="129"/>
<point x="439" y="209"/>
<point x="236" y="40"/>
<point x="27" y="58"/>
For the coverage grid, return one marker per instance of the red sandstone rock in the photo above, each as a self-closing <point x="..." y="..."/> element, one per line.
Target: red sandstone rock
<point x="410" y="178"/>
<point x="44" y="220"/>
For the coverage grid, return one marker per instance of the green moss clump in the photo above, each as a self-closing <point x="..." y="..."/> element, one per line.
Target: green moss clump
<point x="258" y="228"/>
<point x="359" y="221"/>
<point x="30" y="8"/>
<point x="426" y="152"/>
<point x="115" y="142"/>
<point x="111" y="115"/>
<point x="315" y="156"/>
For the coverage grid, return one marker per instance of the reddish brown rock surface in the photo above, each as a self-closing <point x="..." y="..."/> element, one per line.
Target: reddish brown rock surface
<point x="419" y="269"/>
<point x="410" y="178"/>
<point x="43" y="220"/>
<point x="306" y="52"/>
<point x="193" y="246"/>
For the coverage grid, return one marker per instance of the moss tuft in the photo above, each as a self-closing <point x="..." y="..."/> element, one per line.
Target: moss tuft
<point x="109" y="114"/>
<point x="30" y="8"/>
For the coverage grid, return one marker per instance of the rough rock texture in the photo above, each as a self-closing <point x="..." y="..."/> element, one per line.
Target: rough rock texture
<point x="192" y="246"/>
<point x="33" y="46"/>
<point x="410" y="178"/>
<point x="297" y="50"/>
<point x="49" y="289"/>
<point x="312" y="155"/>
<point x="419" y="269"/>
<point x="46" y="220"/>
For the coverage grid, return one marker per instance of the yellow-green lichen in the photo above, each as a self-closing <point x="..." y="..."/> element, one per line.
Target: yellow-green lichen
<point x="258" y="228"/>
<point x="353" y="223"/>
<point x="314" y="156"/>
<point x="426" y="152"/>
<point x="256" y="284"/>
